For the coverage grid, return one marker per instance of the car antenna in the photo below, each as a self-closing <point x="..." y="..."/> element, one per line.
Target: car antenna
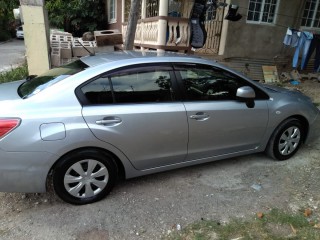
<point x="91" y="53"/>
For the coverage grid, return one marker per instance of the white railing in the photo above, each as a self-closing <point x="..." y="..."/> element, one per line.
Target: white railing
<point x="178" y="32"/>
<point x="147" y="33"/>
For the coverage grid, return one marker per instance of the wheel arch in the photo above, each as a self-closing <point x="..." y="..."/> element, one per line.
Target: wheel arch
<point x="304" y="122"/>
<point x="120" y="167"/>
<point x="300" y="118"/>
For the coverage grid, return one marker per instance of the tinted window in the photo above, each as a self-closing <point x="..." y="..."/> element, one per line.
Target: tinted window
<point x="209" y="83"/>
<point x="150" y="86"/>
<point x="140" y="86"/>
<point x="43" y="81"/>
<point x="98" y="91"/>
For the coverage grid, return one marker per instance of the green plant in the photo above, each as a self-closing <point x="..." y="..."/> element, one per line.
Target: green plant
<point x="14" y="74"/>
<point x="4" y="35"/>
<point x="275" y="225"/>
<point x="6" y="18"/>
<point x="77" y="16"/>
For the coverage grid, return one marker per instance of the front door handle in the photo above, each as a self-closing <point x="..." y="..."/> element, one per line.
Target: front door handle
<point x="109" y="121"/>
<point x="200" y="116"/>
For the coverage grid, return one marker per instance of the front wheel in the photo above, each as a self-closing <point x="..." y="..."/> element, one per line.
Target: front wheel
<point x="84" y="176"/>
<point x="286" y="139"/>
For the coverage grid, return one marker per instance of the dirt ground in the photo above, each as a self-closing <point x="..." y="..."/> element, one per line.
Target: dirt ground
<point x="150" y="207"/>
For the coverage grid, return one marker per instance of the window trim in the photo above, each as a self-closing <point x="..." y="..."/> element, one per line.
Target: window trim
<point x="313" y="17"/>
<point x="112" y="20"/>
<point x="261" y="14"/>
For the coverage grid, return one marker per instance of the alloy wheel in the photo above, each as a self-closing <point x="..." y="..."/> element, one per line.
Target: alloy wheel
<point x="289" y="140"/>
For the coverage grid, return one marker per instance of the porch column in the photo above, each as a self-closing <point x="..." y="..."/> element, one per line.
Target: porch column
<point x="122" y="10"/>
<point x="143" y="16"/>
<point x="224" y="31"/>
<point x="162" y="24"/>
<point x="36" y="34"/>
<point x="143" y="9"/>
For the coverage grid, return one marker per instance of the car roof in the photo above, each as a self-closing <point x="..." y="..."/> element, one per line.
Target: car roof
<point x="101" y="58"/>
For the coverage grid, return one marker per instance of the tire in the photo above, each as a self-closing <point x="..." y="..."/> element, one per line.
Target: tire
<point x="84" y="176"/>
<point x="286" y="140"/>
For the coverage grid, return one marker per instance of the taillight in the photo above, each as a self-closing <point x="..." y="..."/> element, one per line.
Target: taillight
<point x="7" y="125"/>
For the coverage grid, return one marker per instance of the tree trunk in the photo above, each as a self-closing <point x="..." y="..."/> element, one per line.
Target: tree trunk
<point x="132" y="24"/>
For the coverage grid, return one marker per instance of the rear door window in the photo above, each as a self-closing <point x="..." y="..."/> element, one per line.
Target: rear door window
<point x="137" y="85"/>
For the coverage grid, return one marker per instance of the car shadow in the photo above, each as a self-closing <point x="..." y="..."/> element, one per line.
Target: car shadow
<point x="27" y="201"/>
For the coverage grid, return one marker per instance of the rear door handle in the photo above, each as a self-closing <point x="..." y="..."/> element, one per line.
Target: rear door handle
<point x="109" y="121"/>
<point x="200" y="116"/>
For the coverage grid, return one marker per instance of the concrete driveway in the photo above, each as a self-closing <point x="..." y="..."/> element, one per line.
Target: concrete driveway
<point x="12" y="54"/>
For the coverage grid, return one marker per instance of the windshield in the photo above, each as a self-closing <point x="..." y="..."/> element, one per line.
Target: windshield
<point x="41" y="82"/>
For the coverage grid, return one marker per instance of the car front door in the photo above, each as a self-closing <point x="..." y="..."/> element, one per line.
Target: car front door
<point x="219" y="123"/>
<point x="135" y="111"/>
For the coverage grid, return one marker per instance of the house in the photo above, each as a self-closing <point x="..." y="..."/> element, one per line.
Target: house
<point x="255" y="40"/>
<point x="164" y="25"/>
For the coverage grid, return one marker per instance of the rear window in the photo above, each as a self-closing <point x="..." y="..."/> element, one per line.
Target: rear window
<point x="39" y="83"/>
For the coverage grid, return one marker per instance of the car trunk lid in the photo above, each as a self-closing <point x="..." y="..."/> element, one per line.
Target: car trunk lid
<point x="9" y="91"/>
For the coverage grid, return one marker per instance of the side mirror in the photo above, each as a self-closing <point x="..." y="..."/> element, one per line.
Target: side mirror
<point x="246" y="92"/>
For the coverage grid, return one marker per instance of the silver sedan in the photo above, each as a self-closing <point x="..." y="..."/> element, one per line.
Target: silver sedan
<point x="127" y="114"/>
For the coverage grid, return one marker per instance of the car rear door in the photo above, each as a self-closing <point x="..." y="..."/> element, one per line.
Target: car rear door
<point x="220" y="124"/>
<point x="135" y="110"/>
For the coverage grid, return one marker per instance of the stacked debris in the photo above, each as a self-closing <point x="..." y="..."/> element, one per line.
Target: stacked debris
<point x="65" y="48"/>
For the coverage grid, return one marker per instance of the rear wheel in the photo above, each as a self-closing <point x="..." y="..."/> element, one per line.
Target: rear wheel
<point x="84" y="176"/>
<point x="286" y="139"/>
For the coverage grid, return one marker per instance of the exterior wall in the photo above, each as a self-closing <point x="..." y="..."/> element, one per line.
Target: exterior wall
<point x="247" y="40"/>
<point x="118" y="24"/>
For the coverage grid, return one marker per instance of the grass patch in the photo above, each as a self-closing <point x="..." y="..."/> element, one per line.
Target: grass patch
<point x="317" y="104"/>
<point x="275" y="225"/>
<point x="14" y="74"/>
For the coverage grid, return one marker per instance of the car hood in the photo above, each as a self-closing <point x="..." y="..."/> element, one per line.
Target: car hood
<point x="9" y="91"/>
<point x="274" y="88"/>
<point x="291" y="92"/>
